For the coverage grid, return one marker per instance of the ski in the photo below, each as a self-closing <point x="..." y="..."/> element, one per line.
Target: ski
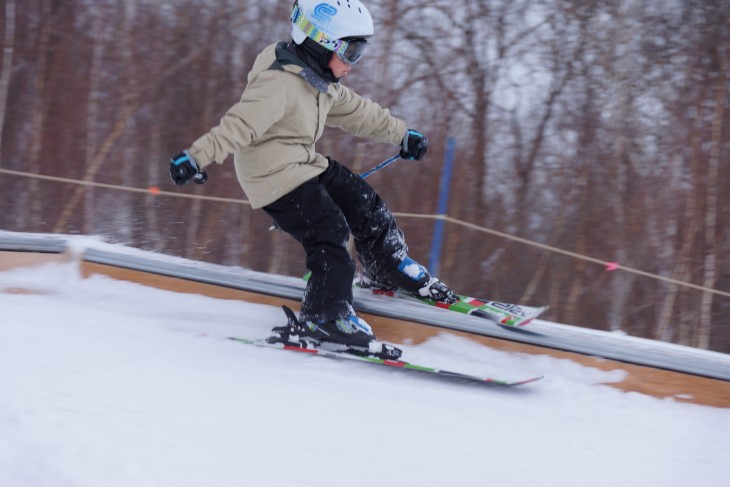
<point x="399" y="364"/>
<point x="498" y="313"/>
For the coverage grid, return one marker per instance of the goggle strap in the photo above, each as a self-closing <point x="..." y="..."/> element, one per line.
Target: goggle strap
<point x="300" y="20"/>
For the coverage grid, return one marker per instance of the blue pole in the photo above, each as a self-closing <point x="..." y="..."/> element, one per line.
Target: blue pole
<point x="438" y="231"/>
<point x="380" y="166"/>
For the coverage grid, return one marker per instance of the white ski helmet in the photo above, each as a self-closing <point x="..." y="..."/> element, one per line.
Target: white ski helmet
<point x="331" y="24"/>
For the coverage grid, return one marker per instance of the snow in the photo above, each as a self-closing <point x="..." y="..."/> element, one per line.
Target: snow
<point x="105" y="382"/>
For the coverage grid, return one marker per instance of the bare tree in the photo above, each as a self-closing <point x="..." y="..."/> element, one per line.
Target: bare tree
<point x="7" y="65"/>
<point x="597" y="127"/>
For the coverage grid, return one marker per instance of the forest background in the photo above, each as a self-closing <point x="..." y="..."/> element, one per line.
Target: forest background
<point x="595" y="127"/>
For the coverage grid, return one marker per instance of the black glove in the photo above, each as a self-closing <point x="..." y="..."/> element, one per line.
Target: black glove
<point x="414" y="146"/>
<point x="183" y="168"/>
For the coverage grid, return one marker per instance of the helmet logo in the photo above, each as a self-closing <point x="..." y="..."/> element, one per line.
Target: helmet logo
<point x="323" y="14"/>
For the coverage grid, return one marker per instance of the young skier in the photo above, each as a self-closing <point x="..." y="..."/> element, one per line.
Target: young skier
<point x="293" y="91"/>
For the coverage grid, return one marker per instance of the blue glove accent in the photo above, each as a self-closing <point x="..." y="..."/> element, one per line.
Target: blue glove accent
<point x="183" y="168"/>
<point x="181" y="158"/>
<point x="414" y="145"/>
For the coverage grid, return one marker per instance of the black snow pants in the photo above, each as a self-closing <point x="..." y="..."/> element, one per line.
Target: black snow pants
<point x="321" y="214"/>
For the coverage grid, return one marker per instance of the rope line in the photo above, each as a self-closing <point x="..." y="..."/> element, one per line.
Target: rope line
<point x="155" y="191"/>
<point x="612" y="266"/>
<point x="609" y="265"/>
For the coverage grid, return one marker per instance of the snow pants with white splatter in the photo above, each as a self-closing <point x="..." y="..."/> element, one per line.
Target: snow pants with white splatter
<point x="321" y="214"/>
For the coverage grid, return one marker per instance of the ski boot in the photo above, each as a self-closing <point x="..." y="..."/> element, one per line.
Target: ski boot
<point x="348" y="334"/>
<point x="412" y="279"/>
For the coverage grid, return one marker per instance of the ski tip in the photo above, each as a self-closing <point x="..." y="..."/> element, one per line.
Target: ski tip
<point x="525" y="322"/>
<point x="526" y="381"/>
<point x="242" y="340"/>
<point x="538" y="312"/>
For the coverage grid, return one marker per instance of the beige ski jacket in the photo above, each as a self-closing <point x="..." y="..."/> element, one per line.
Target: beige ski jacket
<point x="282" y="113"/>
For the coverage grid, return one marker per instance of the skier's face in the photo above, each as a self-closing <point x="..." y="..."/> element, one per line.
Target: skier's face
<point x="339" y="68"/>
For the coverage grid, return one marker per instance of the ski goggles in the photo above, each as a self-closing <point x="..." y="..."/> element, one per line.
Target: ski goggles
<point x="348" y="50"/>
<point x="352" y="50"/>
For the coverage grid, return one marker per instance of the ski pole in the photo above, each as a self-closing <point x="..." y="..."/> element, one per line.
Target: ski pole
<point x="380" y="166"/>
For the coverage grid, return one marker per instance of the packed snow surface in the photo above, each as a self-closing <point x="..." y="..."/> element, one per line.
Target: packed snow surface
<point x="110" y="383"/>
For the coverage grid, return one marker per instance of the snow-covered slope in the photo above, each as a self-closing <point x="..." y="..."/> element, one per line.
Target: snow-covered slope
<point x="112" y="383"/>
<point x="615" y="346"/>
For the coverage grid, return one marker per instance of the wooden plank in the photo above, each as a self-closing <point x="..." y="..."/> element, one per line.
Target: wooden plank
<point x="646" y="380"/>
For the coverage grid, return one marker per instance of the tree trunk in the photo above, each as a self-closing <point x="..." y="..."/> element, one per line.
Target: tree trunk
<point x="92" y="111"/>
<point x="711" y="210"/>
<point x="8" y="50"/>
<point x="33" y="208"/>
